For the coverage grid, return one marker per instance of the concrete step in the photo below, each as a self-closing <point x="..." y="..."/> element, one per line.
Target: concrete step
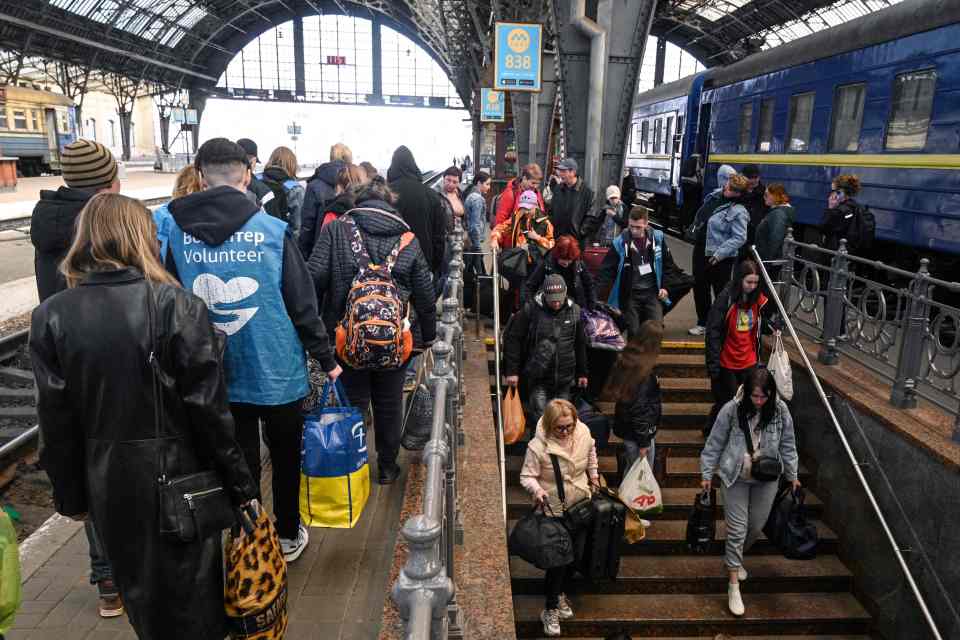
<point x="660" y="615"/>
<point x="672" y="442"/>
<point x="676" y="415"/>
<point x="693" y="346"/>
<point x="685" y="472"/>
<point x="686" y="390"/>
<point x="691" y="574"/>
<point x="681" y="365"/>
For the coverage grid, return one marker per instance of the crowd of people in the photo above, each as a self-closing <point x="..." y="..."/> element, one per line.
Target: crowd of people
<point x="178" y="340"/>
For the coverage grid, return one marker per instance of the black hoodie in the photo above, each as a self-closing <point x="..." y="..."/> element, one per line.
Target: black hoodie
<point x="51" y="232"/>
<point x="321" y="190"/>
<point x="214" y="215"/>
<point x="420" y="207"/>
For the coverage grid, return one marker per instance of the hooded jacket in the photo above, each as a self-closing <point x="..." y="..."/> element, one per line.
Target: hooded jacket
<point x="333" y="267"/>
<point x="536" y="322"/>
<point x="577" y="276"/>
<point x="95" y="405"/>
<point x="419" y="206"/>
<point x="321" y="189"/>
<point x="245" y="265"/>
<point x="340" y="205"/>
<point x="507" y="202"/>
<point x="51" y="232"/>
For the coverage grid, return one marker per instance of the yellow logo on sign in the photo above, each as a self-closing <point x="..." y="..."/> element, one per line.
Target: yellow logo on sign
<point x="493" y="97"/>
<point x="518" y="40"/>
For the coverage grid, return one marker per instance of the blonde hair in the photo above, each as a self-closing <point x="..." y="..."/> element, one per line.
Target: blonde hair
<point x="284" y="158"/>
<point x="738" y="182"/>
<point x="187" y="182"/>
<point x="351" y="175"/>
<point x="555" y="410"/>
<point x="342" y="153"/>
<point x="114" y="232"/>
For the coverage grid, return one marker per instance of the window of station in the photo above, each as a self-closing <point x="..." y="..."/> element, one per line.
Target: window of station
<point x="765" y="137"/>
<point x="644" y="136"/>
<point x="20" y="119"/>
<point x="798" y="125"/>
<point x="911" y="104"/>
<point x="746" y="121"/>
<point x="847" y="117"/>
<point x="668" y="136"/>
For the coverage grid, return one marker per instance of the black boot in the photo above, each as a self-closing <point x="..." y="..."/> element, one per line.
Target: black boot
<point x="387" y="472"/>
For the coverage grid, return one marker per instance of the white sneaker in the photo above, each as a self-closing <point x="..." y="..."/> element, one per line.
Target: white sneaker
<point x="742" y="574"/>
<point x="697" y="330"/>
<point x="551" y="622"/>
<point x="734" y="601"/>
<point x="564" y="610"/>
<point x="293" y="548"/>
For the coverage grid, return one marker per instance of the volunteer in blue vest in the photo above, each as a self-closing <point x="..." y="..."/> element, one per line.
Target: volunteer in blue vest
<point x="632" y="273"/>
<point x="246" y="267"/>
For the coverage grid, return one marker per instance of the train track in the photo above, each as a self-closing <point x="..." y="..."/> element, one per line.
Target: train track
<point x="18" y="411"/>
<point x="24" y="222"/>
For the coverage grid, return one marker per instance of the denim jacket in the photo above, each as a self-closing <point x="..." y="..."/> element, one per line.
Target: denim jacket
<point x="727" y="230"/>
<point x="476" y="208"/>
<point x="723" y="452"/>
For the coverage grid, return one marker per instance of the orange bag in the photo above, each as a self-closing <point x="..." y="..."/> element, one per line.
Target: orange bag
<point x="513" y="420"/>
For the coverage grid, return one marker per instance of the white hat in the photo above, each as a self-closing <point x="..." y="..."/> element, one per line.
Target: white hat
<point x="613" y="191"/>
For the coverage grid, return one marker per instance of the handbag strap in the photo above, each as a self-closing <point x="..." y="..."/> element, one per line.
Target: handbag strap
<point x="745" y="428"/>
<point x="339" y="393"/>
<point x="558" y="478"/>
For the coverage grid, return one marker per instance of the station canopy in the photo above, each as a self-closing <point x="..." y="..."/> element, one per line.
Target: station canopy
<point x="189" y="43"/>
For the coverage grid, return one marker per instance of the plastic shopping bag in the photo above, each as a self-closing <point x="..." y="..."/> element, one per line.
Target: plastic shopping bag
<point x="639" y="489"/>
<point x="601" y="330"/>
<point x="335" y="477"/>
<point x="513" y="419"/>
<point x="779" y="366"/>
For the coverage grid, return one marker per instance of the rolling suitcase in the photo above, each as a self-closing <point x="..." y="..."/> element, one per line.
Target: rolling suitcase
<point x="593" y="257"/>
<point x="600" y="556"/>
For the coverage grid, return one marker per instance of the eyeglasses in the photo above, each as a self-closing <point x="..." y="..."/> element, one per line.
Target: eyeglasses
<point x="564" y="428"/>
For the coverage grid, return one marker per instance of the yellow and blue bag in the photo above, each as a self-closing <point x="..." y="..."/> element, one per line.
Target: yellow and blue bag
<point x="335" y="476"/>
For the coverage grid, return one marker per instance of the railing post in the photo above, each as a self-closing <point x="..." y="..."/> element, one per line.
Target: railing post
<point x="422" y="583"/>
<point x="786" y="274"/>
<point x="904" y="393"/>
<point x="834" y="313"/>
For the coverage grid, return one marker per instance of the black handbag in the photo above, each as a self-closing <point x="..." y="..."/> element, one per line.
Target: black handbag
<point x="580" y="513"/>
<point x="193" y="506"/>
<point x="765" y="468"/>
<point x="542" y="540"/>
<point x="418" y="419"/>
<point x="514" y="264"/>
<point x="702" y="524"/>
<point x="788" y="528"/>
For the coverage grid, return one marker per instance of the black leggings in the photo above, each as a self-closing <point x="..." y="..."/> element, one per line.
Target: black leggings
<point x="724" y="388"/>
<point x="555" y="582"/>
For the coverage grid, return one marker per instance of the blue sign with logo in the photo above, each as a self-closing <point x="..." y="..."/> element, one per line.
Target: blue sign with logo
<point x="518" y="48"/>
<point x="492" y="106"/>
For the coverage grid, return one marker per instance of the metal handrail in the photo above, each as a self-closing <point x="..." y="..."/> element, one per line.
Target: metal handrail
<point x="846" y="445"/>
<point x="496" y="370"/>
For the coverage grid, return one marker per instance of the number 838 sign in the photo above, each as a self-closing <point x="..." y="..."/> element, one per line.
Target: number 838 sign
<point x="518" y="47"/>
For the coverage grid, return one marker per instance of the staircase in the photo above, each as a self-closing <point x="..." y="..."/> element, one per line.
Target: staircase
<point x="665" y="592"/>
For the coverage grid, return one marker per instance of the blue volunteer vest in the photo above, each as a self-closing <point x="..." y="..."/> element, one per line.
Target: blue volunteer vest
<point x="164" y="220"/>
<point x="240" y="281"/>
<point x="619" y="245"/>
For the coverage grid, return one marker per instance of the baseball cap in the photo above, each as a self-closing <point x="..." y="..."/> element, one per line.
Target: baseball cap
<point x="751" y="171"/>
<point x="528" y="200"/>
<point x="249" y="146"/>
<point x="568" y="164"/>
<point x="554" y="288"/>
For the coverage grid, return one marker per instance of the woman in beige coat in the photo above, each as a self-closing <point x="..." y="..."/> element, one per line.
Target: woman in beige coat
<point x="559" y="433"/>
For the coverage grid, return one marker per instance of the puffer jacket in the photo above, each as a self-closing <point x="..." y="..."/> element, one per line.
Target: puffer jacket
<point x="724" y="450"/>
<point x="580" y="284"/>
<point x="321" y="189"/>
<point x="333" y="267"/>
<point x="638" y="420"/>
<point x="716" y="329"/>
<point x="574" y="466"/>
<point x="535" y="322"/>
<point x="51" y="232"/>
<point x="772" y="230"/>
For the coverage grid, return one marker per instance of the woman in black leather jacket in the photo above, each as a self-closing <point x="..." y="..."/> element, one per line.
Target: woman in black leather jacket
<point x="90" y="347"/>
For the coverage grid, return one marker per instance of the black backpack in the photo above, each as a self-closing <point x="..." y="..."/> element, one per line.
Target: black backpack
<point x="277" y="206"/>
<point x="862" y="230"/>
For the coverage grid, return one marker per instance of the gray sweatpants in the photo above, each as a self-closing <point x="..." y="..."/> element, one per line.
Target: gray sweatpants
<point x="746" y="506"/>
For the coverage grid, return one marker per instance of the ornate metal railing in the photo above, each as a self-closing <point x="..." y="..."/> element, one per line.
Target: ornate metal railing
<point x="886" y="318"/>
<point x="424" y="591"/>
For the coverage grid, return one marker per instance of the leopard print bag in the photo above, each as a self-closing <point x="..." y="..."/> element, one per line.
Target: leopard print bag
<point x="255" y="589"/>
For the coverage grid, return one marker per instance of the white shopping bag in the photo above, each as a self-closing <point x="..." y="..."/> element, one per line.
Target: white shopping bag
<point x="779" y="366"/>
<point x="639" y="489"/>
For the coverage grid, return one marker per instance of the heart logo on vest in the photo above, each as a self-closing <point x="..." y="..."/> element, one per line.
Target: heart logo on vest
<point x="216" y="293"/>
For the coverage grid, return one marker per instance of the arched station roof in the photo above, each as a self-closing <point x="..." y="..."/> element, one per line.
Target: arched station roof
<point x="188" y="43"/>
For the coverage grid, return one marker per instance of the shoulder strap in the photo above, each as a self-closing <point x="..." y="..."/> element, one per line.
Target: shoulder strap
<point x="154" y="363"/>
<point x="558" y="478"/>
<point x="745" y="428"/>
<point x="356" y="242"/>
<point x="402" y="243"/>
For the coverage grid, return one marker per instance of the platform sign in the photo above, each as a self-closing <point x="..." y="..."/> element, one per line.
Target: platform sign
<point x="518" y="48"/>
<point x="191" y="116"/>
<point x="492" y="106"/>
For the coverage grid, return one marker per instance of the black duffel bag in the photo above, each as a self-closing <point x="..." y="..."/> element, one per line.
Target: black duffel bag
<point x="702" y="524"/>
<point x="788" y="527"/>
<point x="514" y="265"/>
<point x="541" y="540"/>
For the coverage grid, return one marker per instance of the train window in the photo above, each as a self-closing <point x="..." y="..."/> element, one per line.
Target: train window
<point x="798" y="126"/>
<point x="765" y="137"/>
<point x="636" y="139"/>
<point x="678" y="136"/>
<point x="644" y="136"/>
<point x="19" y="119"/>
<point x="847" y="116"/>
<point x="668" y="136"/>
<point x="657" y="136"/>
<point x="910" y="109"/>
<point x="746" y="122"/>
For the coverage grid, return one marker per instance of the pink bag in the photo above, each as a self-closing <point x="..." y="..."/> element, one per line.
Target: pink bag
<point x="601" y="330"/>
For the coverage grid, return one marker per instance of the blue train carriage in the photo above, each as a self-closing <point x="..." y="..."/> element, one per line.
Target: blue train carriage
<point x="34" y="126"/>
<point x="878" y="97"/>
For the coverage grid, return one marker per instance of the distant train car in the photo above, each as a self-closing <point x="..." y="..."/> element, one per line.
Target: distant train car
<point x="34" y="126"/>
<point x="878" y="97"/>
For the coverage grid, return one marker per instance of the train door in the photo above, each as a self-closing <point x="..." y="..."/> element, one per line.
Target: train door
<point x="51" y="129"/>
<point x="703" y="132"/>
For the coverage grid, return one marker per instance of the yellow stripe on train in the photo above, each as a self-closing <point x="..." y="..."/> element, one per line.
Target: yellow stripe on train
<point x="866" y="160"/>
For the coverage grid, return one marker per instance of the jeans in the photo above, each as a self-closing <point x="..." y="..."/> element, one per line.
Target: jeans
<point x="384" y="389"/>
<point x="100" y="568"/>
<point x="555" y="582"/>
<point x="645" y="307"/>
<point x="746" y="507"/>
<point x="631" y="451"/>
<point x="283" y="433"/>
<point x="541" y="394"/>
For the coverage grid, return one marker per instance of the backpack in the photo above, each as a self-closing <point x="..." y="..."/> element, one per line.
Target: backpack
<point x="375" y="330"/>
<point x="862" y="230"/>
<point x="276" y="204"/>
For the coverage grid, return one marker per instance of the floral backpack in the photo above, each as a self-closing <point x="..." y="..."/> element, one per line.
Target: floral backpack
<point x="375" y="330"/>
